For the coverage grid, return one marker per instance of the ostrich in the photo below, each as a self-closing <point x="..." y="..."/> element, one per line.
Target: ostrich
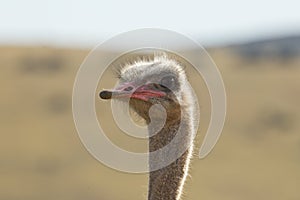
<point x="161" y="80"/>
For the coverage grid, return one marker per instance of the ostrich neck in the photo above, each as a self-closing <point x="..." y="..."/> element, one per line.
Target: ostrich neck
<point x="167" y="183"/>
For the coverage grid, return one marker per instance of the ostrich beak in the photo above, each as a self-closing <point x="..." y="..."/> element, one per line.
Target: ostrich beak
<point x="144" y="92"/>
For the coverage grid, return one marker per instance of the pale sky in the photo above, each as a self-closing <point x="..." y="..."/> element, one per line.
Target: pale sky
<point x="86" y="23"/>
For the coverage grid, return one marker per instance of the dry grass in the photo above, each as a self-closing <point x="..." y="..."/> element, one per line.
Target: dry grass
<point x="41" y="157"/>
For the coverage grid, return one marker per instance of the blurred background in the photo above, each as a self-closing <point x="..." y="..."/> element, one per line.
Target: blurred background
<point x="255" y="44"/>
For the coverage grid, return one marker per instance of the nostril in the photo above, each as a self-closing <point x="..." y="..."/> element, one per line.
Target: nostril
<point x="157" y="86"/>
<point x="128" y="88"/>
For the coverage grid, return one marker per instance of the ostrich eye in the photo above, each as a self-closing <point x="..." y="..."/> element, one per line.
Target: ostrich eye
<point x="168" y="81"/>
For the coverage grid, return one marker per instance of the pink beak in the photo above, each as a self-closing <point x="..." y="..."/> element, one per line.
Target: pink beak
<point x="128" y="90"/>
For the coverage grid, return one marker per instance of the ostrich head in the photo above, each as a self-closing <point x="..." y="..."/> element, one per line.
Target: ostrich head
<point x="148" y="82"/>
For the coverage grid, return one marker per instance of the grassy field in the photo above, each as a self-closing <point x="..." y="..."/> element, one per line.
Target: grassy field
<point x="41" y="156"/>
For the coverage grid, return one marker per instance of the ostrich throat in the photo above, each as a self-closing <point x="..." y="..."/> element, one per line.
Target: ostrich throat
<point x="167" y="183"/>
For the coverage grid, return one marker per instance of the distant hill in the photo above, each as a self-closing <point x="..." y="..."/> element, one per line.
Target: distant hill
<point x="282" y="48"/>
